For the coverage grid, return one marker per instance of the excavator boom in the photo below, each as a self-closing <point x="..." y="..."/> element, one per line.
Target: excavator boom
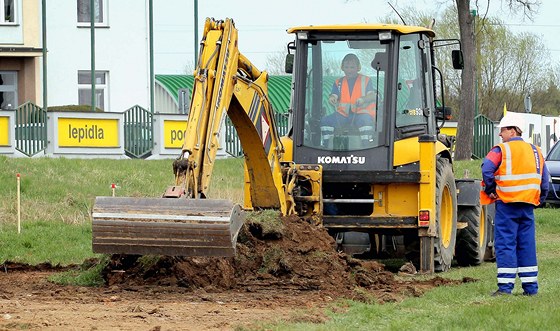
<point x="183" y="222"/>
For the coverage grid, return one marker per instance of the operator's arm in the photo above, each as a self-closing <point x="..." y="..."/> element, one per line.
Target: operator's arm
<point x="489" y="166"/>
<point x="335" y="94"/>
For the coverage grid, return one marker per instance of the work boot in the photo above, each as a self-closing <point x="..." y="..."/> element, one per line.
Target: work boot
<point x="529" y="294"/>
<point x="366" y="135"/>
<point x="327" y="135"/>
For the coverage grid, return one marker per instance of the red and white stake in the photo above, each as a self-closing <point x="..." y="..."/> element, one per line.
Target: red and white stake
<point x="18" y="204"/>
<point x="113" y="187"/>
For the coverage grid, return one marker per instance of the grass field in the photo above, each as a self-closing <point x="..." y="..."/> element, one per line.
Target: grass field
<point x="57" y="197"/>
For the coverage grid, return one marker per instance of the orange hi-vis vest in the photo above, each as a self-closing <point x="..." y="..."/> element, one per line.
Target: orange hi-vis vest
<point x="347" y="101"/>
<point x="519" y="176"/>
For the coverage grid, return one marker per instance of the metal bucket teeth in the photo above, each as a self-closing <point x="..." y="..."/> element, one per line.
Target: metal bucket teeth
<point x="163" y="226"/>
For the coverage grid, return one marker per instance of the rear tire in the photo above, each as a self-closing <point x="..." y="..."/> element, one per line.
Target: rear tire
<point x="473" y="239"/>
<point x="446" y="215"/>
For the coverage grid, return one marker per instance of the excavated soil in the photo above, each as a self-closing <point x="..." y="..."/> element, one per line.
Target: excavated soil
<point x="292" y="274"/>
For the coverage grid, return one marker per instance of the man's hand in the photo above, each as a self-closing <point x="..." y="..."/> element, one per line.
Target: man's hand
<point x="493" y="196"/>
<point x="333" y="99"/>
<point x="360" y="102"/>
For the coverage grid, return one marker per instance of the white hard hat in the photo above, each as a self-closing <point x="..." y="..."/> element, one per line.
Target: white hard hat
<point x="512" y="119"/>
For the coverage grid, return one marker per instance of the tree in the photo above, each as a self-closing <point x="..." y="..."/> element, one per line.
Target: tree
<point x="465" y="123"/>
<point x="275" y="63"/>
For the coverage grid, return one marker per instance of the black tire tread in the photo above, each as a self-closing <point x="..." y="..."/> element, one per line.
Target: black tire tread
<point x="467" y="248"/>
<point x="443" y="257"/>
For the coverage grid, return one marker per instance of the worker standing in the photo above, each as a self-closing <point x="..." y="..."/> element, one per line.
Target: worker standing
<point x="515" y="177"/>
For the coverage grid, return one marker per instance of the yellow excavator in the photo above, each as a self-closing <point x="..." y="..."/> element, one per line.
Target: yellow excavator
<point x="384" y="184"/>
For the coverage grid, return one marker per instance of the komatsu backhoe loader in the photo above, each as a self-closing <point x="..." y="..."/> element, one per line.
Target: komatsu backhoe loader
<point x="376" y="189"/>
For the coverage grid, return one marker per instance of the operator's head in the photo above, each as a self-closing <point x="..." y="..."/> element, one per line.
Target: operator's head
<point x="510" y="126"/>
<point x="351" y="65"/>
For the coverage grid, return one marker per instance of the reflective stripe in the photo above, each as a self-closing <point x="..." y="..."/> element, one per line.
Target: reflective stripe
<point x="518" y="177"/>
<point x="528" y="279"/>
<point x="366" y="128"/>
<point x="507" y="270"/>
<point x="506" y="280"/>
<point x="327" y="129"/>
<point x="518" y="188"/>
<point x="364" y="84"/>
<point x="527" y="269"/>
<point x="507" y="158"/>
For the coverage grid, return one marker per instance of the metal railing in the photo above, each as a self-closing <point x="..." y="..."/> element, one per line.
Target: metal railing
<point x="483" y="138"/>
<point x="31" y="129"/>
<point x="138" y="132"/>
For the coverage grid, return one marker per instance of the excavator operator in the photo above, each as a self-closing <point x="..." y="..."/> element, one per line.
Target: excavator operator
<point x="353" y="97"/>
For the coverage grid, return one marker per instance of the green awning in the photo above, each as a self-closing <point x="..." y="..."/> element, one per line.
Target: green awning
<point x="278" y="88"/>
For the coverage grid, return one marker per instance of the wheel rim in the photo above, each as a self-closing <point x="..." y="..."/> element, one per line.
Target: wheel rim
<point x="482" y="229"/>
<point x="446" y="217"/>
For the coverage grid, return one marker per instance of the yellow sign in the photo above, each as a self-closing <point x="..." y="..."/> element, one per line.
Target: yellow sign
<point x="174" y="133"/>
<point x="4" y="131"/>
<point x="449" y="131"/>
<point x="88" y="132"/>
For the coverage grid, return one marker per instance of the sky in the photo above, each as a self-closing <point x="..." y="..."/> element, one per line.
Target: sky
<point x="262" y="24"/>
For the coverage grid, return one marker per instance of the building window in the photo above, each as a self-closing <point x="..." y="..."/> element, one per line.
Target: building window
<point x="101" y="88"/>
<point x="84" y="13"/>
<point x="8" y="90"/>
<point x="7" y="11"/>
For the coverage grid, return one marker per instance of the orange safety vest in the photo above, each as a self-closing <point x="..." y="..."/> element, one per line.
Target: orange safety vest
<point x="348" y="101"/>
<point x="519" y="176"/>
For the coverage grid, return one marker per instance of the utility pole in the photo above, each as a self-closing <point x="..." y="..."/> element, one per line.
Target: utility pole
<point x="151" y="29"/>
<point x="92" y="28"/>
<point x="44" y="28"/>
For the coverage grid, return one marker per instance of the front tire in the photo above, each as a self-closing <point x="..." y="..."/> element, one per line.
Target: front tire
<point x="446" y="215"/>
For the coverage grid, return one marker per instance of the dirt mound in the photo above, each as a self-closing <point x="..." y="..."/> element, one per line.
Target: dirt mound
<point x="295" y="256"/>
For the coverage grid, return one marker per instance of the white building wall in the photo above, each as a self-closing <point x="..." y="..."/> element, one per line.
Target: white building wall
<point x="122" y="48"/>
<point x="164" y="103"/>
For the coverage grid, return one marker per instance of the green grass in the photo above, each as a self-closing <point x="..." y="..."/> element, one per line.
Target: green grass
<point x="46" y="241"/>
<point x="468" y="169"/>
<point x="88" y="274"/>
<point x="60" y="189"/>
<point x="58" y="194"/>
<point x="464" y="307"/>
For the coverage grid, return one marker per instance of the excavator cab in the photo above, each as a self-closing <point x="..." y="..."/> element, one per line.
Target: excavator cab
<point x="385" y="173"/>
<point x="395" y="69"/>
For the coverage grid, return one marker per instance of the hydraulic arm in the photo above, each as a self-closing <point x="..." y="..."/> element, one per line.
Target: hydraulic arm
<point x="183" y="222"/>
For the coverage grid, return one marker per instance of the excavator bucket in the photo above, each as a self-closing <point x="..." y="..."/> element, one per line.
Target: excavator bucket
<point x="164" y="226"/>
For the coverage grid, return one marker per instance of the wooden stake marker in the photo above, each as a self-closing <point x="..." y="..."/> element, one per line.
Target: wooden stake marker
<point x="18" y="204"/>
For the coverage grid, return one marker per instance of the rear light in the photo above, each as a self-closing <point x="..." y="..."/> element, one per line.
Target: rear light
<point x="424" y="218"/>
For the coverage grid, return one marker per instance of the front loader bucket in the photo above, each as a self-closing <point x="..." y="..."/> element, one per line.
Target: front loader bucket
<point x="165" y="226"/>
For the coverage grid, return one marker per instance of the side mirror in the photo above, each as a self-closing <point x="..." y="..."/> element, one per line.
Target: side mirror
<point x="443" y="113"/>
<point x="457" y="57"/>
<point x="289" y="64"/>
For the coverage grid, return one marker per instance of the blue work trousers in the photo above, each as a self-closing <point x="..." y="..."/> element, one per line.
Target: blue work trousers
<point x="515" y="244"/>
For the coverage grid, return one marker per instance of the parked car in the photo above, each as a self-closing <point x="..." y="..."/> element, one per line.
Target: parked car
<point x="553" y="163"/>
